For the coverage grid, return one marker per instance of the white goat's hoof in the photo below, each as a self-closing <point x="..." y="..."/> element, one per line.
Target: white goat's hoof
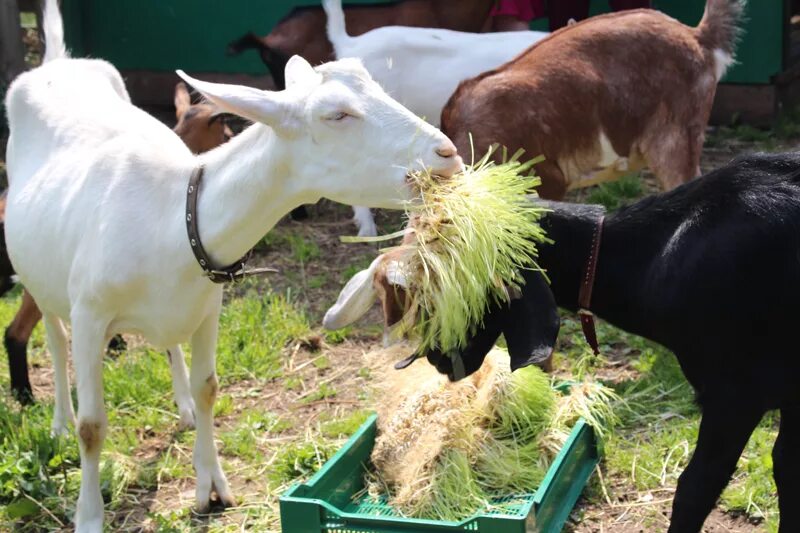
<point x="210" y="485"/>
<point x="186" y="417"/>
<point x="89" y="518"/>
<point x="59" y="429"/>
<point x="60" y="426"/>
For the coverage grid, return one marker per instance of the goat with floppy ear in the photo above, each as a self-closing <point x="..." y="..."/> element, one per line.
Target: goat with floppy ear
<point x="708" y="270"/>
<point x="529" y="322"/>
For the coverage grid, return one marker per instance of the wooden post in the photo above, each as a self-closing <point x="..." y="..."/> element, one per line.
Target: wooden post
<point x="12" y="51"/>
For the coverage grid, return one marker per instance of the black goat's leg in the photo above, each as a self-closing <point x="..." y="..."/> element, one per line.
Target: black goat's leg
<point x="16" y="343"/>
<point x="724" y="431"/>
<point x="786" y="469"/>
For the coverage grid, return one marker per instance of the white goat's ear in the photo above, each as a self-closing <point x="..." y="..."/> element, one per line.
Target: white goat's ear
<point x="300" y="73"/>
<point x="355" y="299"/>
<point x="273" y="108"/>
<point x="182" y="99"/>
<point x="395" y="274"/>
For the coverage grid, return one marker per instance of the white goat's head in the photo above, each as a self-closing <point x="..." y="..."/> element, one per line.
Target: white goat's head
<point x="348" y="136"/>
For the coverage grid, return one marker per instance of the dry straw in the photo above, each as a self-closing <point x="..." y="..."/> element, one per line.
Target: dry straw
<point x="446" y="450"/>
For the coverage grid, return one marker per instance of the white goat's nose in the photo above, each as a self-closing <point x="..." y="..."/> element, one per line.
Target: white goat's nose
<point x="447" y="149"/>
<point x="450" y="162"/>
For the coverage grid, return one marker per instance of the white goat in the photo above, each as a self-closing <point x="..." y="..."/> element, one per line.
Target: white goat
<point x="421" y="67"/>
<point x="95" y="221"/>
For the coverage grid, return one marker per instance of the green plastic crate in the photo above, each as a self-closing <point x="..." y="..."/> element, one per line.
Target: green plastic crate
<point x="325" y="502"/>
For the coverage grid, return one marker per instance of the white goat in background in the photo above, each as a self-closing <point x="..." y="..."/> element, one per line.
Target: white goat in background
<point x="95" y="221"/>
<point x="421" y="67"/>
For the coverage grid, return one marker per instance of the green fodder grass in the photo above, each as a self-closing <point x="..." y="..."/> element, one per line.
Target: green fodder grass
<point x="474" y="234"/>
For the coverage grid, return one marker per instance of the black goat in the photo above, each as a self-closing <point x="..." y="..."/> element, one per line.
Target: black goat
<point x="710" y="270"/>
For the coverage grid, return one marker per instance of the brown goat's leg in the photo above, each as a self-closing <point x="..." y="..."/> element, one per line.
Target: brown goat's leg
<point x="16" y="343"/>
<point x="786" y="470"/>
<point x="621" y="167"/>
<point x="554" y="183"/>
<point x="724" y="430"/>
<point x="674" y="156"/>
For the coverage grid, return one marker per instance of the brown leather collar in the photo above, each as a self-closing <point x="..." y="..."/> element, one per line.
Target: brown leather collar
<point x="585" y="293"/>
<point x="233" y="272"/>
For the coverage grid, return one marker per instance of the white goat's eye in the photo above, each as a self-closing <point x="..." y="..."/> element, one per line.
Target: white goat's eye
<point x="341" y="115"/>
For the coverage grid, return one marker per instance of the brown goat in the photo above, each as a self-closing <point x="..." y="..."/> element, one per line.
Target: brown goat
<point x="201" y="127"/>
<point x="302" y="31"/>
<point x="615" y="92"/>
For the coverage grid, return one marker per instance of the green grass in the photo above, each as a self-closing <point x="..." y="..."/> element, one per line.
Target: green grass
<point x="616" y="194"/>
<point x="353" y="269"/>
<point x="785" y="128"/>
<point x="253" y="331"/>
<point x="300" y="460"/>
<point x="303" y="250"/>
<point x="341" y="428"/>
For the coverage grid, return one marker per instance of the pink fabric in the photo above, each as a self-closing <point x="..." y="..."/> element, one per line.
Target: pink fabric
<point x="525" y="10"/>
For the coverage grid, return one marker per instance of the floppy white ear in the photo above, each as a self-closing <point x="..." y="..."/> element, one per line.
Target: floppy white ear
<point x="300" y="72"/>
<point x="355" y="299"/>
<point x="273" y="108"/>
<point x="395" y="274"/>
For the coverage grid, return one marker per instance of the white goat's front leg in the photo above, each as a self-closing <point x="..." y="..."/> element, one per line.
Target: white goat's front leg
<point x="180" y="385"/>
<point x="364" y="221"/>
<point x="88" y="347"/>
<point x="63" y="414"/>
<point x="210" y="478"/>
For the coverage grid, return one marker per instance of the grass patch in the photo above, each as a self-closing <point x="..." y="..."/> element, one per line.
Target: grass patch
<point x="351" y="270"/>
<point x="300" y="460"/>
<point x="786" y="128"/>
<point x="338" y="336"/>
<point x="323" y="391"/>
<point x="752" y="490"/>
<point x="253" y="332"/>
<point x="245" y="441"/>
<point x="616" y="194"/>
<point x="342" y="428"/>
<point x="303" y="250"/>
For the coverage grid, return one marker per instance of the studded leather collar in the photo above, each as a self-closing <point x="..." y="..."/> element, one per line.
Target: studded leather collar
<point x="232" y="272"/>
<point x="587" y="284"/>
